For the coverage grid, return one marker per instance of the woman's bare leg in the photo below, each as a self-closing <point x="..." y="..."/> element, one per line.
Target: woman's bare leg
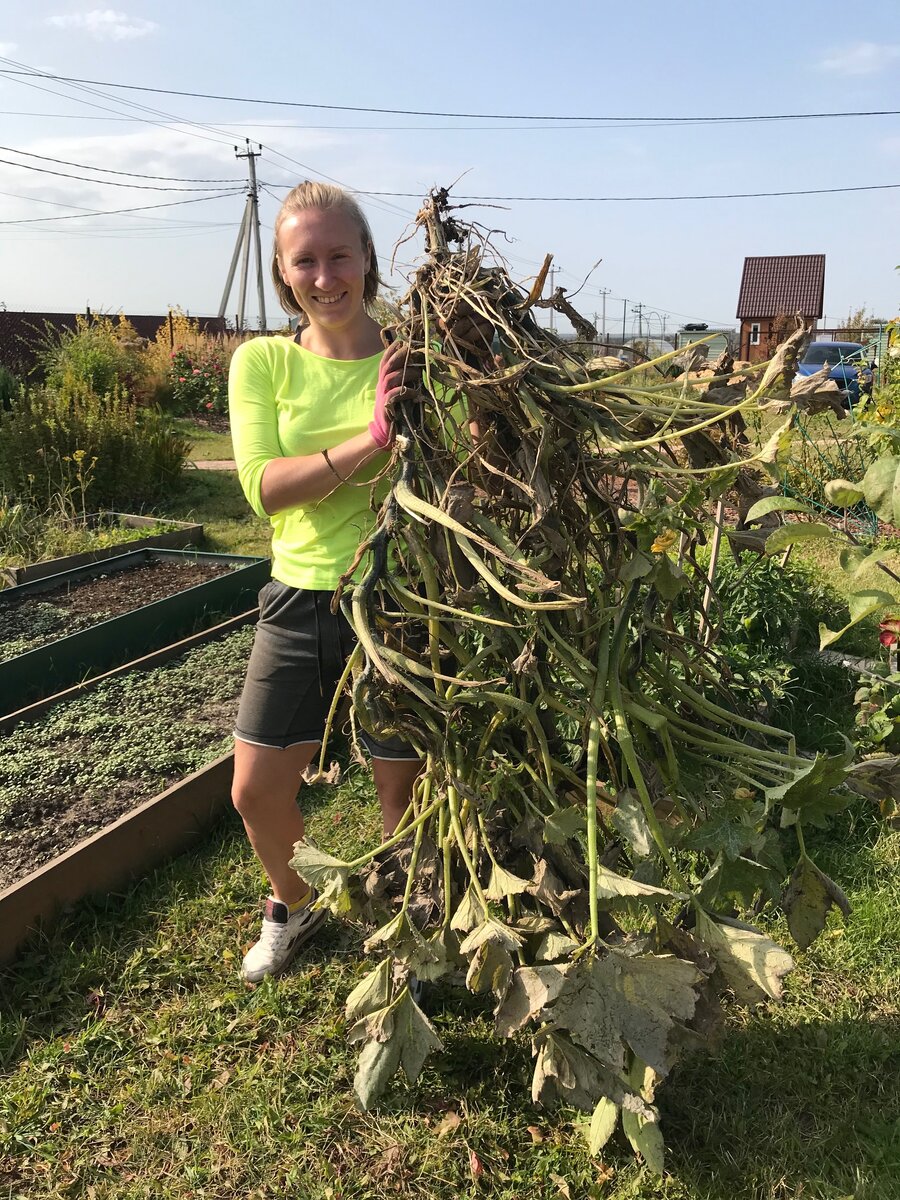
<point x="394" y="779"/>
<point x="264" y="792"/>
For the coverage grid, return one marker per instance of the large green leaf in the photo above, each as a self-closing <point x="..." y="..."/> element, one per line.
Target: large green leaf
<point x="603" y="1124"/>
<point x="565" y="1072"/>
<point x="730" y="827"/>
<point x="861" y="604"/>
<point x="328" y="875"/>
<point x="856" y="559"/>
<point x="738" y="881"/>
<point x="627" y="1000"/>
<point x="645" y="1137"/>
<point x="808" y="794"/>
<point x="752" y="965"/>
<point x="770" y="504"/>
<point x="881" y="488"/>
<point x="563" y="824"/>
<point x="797" y="531"/>
<point x="399" y="1035"/>
<point x="842" y="493"/>
<point x="808" y="898"/>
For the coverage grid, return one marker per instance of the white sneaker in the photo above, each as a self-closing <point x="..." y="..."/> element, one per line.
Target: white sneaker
<point x="282" y="936"/>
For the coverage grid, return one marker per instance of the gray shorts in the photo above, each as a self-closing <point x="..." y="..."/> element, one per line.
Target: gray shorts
<point x="299" y="653"/>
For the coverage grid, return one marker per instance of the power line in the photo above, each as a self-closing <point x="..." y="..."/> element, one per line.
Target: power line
<point x="144" y="187"/>
<point x="872" y="187"/>
<point x="109" y="170"/>
<point x="407" y="112"/>
<point x="115" y="211"/>
<point x="618" y="123"/>
<point x="179" y="224"/>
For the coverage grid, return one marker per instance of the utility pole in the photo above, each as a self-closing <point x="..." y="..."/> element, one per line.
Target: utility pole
<point x="604" y="292"/>
<point x="639" y="308"/>
<point x="248" y="231"/>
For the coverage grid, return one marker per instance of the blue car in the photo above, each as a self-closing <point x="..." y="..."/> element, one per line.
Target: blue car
<point x="848" y="366"/>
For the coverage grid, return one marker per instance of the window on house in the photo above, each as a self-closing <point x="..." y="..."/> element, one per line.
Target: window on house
<point x="754" y="334"/>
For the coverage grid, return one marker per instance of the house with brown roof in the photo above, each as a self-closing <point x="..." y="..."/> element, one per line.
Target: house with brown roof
<point x="774" y="288"/>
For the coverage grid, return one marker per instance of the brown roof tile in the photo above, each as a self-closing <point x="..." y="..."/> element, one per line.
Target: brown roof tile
<point x="782" y="283"/>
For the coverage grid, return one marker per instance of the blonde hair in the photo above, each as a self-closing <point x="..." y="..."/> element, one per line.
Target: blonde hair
<point x="310" y="194"/>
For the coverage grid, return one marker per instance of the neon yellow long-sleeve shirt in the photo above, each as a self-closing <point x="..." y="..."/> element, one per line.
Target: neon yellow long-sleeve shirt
<point x="286" y="401"/>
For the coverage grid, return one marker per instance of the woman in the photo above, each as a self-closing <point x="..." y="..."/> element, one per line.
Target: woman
<point x="310" y="423"/>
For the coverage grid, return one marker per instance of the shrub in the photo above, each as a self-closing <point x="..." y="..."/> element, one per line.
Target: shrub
<point x="9" y="387"/>
<point x="199" y="379"/>
<point x="189" y="369"/>
<point x="100" y="354"/>
<point x="104" y="449"/>
<point x="769" y="636"/>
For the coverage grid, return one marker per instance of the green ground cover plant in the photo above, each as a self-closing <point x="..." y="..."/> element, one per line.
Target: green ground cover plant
<point x="99" y="754"/>
<point x="37" y="618"/>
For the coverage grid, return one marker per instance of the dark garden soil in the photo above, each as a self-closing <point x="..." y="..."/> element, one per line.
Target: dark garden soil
<point x="90" y="760"/>
<point x="45" y="616"/>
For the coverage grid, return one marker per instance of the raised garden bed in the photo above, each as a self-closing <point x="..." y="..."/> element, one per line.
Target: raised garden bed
<point x="122" y="532"/>
<point x="103" y="781"/>
<point x="56" y="631"/>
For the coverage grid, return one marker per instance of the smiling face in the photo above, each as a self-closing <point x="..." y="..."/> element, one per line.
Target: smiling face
<point x="323" y="261"/>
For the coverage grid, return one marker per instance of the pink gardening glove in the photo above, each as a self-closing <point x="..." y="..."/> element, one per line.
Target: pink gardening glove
<point x="392" y="379"/>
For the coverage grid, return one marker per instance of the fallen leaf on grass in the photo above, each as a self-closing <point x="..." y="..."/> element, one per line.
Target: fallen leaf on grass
<point x="450" y="1121"/>
<point x="476" y="1166"/>
<point x="563" y="1186"/>
<point x="536" y="1136"/>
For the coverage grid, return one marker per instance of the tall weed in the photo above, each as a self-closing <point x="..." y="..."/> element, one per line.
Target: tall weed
<point x="105" y="449"/>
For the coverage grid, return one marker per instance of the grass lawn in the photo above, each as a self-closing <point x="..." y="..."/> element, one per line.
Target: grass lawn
<point x="137" y="1065"/>
<point x="207" y="445"/>
<point x="215" y="498"/>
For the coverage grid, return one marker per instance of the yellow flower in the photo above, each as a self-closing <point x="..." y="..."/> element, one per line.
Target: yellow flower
<point x="664" y="541"/>
<point x="78" y="455"/>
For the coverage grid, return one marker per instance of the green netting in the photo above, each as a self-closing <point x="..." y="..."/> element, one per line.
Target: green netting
<point x="825" y="449"/>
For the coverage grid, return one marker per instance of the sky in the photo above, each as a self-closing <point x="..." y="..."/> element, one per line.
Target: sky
<point x="639" y="73"/>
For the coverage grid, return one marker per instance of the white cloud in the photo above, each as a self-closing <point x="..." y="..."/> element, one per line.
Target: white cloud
<point x="862" y="58"/>
<point x="104" y="24"/>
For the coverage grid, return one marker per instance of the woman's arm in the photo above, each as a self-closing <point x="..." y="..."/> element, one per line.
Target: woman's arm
<point x="287" y="482"/>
